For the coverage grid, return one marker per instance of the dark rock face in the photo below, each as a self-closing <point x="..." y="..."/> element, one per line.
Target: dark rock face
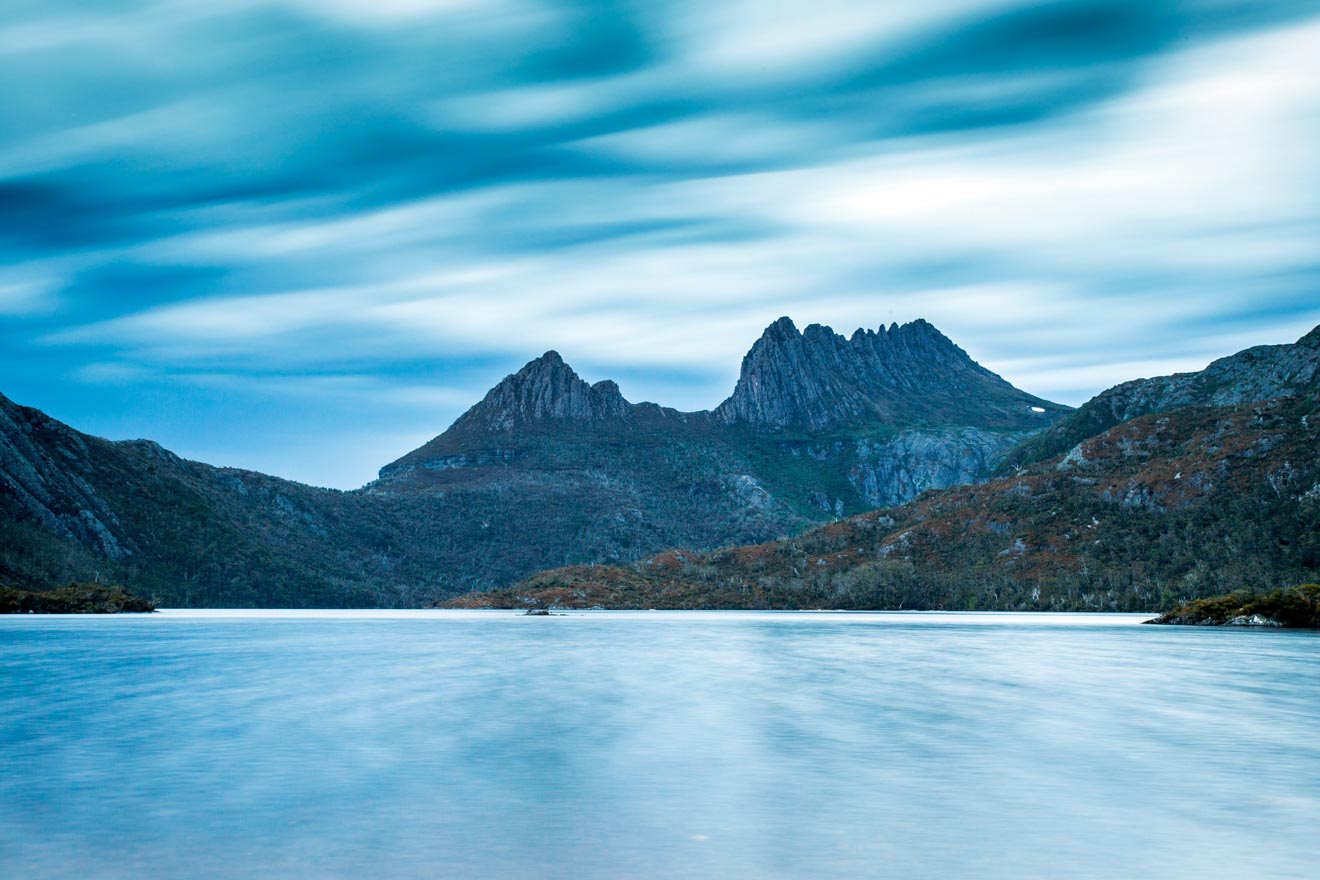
<point x="547" y="388"/>
<point x="894" y="470"/>
<point x="43" y="465"/>
<point x="900" y="376"/>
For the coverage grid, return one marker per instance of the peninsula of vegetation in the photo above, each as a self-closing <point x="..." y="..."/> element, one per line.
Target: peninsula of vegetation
<point x="73" y="599"/>
<point x="1297" y="607"/>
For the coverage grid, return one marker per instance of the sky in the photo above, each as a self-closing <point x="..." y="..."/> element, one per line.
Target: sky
<point x="302" y="236"/>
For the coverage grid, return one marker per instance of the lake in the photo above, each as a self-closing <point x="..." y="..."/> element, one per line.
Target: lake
<point x="450" y="744"/>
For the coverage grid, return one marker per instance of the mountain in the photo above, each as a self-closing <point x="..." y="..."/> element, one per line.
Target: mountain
<point x="1260" y="373"/>
<point x="1212" y="489"/>
<point x="80" y="508"/>
<point x="817" y="426"/>
<point x="544" y="470"/>
<point x="902" y="376"/>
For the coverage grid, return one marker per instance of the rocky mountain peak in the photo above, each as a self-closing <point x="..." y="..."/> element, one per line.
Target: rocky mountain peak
<point x="783" y="328"/>
<point x="546" y="389"/>
<point x="900" y="375"/>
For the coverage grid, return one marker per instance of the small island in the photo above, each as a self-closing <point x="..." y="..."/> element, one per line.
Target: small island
<point x="1294" y="607"/>
<point x="73" y="599"/>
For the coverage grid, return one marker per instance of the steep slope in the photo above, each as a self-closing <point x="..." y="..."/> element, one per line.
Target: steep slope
<point x="1192" y="500"/>
<point x="902" y="376"/>
<point x="1259" y="373"/>
<point x="76" y="507"/>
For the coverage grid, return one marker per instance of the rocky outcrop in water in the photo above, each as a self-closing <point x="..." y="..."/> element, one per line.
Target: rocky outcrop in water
<point x="1298" y="608"/>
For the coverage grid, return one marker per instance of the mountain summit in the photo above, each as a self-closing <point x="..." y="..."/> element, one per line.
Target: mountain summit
<point x="818" y="424"/>
<point x="546" y="388"/>
<point x="901" y="376"/>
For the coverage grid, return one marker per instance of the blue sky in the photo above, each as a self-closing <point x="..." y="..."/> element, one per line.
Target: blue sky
<point x="303" y="236"/>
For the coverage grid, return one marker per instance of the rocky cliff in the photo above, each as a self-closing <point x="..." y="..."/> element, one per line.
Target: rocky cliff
<point x="901" y="376"/>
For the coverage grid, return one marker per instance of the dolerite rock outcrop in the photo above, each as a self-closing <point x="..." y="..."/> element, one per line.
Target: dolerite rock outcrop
<point x="818" y="425"/>
<point x="547" y="388"/>
<point x="904" y="408"/>
<point x="901" y="376"/>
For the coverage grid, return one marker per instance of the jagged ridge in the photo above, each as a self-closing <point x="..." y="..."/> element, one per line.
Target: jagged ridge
<point x="901" y="376"/>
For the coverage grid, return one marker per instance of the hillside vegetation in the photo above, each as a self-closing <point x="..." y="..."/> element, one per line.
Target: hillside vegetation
<point x="1297" y="607"/>
<point x="73" y="599"/>
<point x="1195" y="502"/>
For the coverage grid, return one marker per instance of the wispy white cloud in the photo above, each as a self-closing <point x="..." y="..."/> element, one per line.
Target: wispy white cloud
<point x="384" y="207"/>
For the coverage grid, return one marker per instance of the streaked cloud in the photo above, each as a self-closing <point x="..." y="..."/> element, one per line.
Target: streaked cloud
<point x="293" y="211"/>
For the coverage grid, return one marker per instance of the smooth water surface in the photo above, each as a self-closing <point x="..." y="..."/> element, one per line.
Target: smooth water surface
<point x="655" y="745"/>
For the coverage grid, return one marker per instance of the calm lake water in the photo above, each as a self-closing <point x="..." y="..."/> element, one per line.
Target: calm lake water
<point x="655" y="745"/>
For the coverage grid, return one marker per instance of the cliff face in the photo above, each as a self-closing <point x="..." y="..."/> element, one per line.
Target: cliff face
<point x="901" y="376"/>
<point x="894" y="470"/>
